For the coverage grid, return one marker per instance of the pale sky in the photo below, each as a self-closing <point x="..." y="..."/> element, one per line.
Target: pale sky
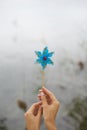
<point x="26" y="24"/>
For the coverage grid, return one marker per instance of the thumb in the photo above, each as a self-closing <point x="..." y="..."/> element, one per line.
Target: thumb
<point x="43" y="98"/>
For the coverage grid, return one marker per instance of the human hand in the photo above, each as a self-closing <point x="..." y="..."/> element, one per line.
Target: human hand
<point x="33" y="117"/>
<point x="50" y="107"/>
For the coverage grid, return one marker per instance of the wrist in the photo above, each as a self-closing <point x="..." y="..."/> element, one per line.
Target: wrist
<point x="33" y="128"/>
<point x="50" y="125"/>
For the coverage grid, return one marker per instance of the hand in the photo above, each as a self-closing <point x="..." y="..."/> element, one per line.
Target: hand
<point x="50" y="107"/>
<point x="33" y="117"/>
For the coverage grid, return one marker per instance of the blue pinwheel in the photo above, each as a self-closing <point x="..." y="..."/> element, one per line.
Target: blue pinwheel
<point x="44" y="57"/>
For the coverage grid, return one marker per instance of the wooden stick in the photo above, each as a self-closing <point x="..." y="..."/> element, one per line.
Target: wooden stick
<point x="43" y="76"/>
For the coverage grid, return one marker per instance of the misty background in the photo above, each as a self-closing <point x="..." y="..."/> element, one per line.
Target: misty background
<point x="29" y="25"/>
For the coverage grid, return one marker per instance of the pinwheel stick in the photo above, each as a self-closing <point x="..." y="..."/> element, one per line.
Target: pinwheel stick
<point x="43" y="76"/>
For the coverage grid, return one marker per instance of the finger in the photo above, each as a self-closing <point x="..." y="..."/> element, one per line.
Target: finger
<point x="49" y="93"/>
<point x="43" y="99"/>
<point x="39" y="111"/>
<point x="37" y="104"/>
<point x="40" y="90"/>
<point x="39" y="97"/>
<point x="49" y="100"/>
<point x="34" y="106"/>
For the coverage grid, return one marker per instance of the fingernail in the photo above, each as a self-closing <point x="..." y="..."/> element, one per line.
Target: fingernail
<point x="40" y="90"/>
<point x="42" y="94"/>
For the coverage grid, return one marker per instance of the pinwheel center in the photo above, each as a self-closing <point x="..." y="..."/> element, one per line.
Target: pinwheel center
<point x="44" y="58"/>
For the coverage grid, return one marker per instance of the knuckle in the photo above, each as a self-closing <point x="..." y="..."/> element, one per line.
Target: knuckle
<point x="34" y="104"/>
<point x="50" y="93"/>
<point x="57" y="103"/>
<point x="26" y="114"/>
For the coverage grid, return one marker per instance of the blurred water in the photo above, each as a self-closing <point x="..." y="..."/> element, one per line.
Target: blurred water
<point x="19" y="77"/>
<point x="26" y="26"/>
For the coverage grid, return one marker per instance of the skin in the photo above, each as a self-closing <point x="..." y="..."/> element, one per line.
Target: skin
<point x="48" y="106"/>
<point x="33" y="117"/>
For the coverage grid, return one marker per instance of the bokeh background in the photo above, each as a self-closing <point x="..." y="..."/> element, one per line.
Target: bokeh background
<point x="29" y="25"/>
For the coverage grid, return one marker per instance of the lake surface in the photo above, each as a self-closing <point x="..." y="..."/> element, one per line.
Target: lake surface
<point x="20" y="78"/>
<point x="26" y="26"/>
